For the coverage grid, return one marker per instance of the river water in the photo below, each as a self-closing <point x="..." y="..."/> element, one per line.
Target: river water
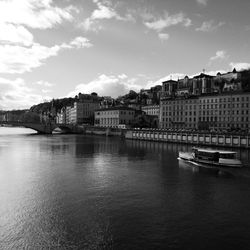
<point x="92" y="192"/>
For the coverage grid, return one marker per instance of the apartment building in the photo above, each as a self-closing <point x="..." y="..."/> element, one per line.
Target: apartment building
<point x="206" y="102"/>
<point x="151" y="110"/>
<point x="212" y="111"/>
<point x="179" y="113"/>
<point x="81" y="112"/>
<point x="61" y="116"/>
<point x="114" y="117"/>
<point x="225" y="111"/>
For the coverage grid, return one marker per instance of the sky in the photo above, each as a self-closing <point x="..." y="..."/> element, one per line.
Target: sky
<point x="59" y="48"/>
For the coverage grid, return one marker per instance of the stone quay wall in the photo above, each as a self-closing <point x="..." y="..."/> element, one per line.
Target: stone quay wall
<point x="206" y="139"/>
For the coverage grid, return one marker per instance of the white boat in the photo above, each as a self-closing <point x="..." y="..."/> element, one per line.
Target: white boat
<point x="211" y="157"/>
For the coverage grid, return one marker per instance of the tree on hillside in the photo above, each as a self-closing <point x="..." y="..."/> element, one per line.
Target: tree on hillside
<point x="30" y="117"/>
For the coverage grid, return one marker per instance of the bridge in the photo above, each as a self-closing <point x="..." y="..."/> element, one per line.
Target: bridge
<point x="42" y="128"/>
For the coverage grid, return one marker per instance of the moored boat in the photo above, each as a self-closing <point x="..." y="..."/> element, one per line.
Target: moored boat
<point x="211" y="157"/>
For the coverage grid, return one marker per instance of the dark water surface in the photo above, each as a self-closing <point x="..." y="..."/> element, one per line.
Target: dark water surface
<point x="90" y="192"/>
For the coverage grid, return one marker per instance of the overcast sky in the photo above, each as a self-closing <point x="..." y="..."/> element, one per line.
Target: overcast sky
<point x="53" y="49"/>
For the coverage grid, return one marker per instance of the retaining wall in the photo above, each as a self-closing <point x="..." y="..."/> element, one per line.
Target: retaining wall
<point x="224" y="140"/>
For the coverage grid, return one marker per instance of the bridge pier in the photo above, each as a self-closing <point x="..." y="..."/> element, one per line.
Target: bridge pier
<point x="45" y="128"/>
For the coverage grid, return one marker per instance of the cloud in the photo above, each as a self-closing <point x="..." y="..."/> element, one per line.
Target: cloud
<point x="209" y="26"/>
<point x="15" y="94"/>
<point x="239" y="65"/>
<point x="104" y="11"/>
<point x="220" y="54"/>
<point x="174" y="76"/>
<point x="123" y="76"/>
<point x="19" y="52"/>
<point x="45" y="91"/>
<point x="163" y="36"/>
<point x="44" y="83"/>
<point x="15" y="34"/>
<point x="89" y="24"/>
<point x="77" y="43"/>
<point x="158" y="24"/>
<point x="202" y="2"/>
<point x="35" y="14"/>
<point x="20" y="59"/>
<point x="108" y="85"/>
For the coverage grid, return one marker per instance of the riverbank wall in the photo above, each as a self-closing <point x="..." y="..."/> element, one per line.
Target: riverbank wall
<point x="193" y="138"/>
<point x="104" y="131"/>
<point x="206" y="139"/>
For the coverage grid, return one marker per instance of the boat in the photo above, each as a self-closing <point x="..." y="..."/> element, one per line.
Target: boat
<point x="218" y="158"/>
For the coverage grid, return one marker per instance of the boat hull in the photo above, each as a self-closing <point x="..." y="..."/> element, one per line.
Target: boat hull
<point x="189" y="157"/>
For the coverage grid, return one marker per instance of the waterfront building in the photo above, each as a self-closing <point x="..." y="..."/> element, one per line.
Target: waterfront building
<point x="61" y="116"/>
<point x="83" y="112"/>
<point x="68" y="115"/>
<point x="2" y="117"/>
<point x="226" y="111"/>
<point x="218" y="102"/>
<point x="179" y="113"/>
<point x="114" y="117"/>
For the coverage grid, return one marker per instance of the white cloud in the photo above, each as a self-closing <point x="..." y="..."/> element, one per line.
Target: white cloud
<point x="202" y="2"/>
<point x="123" y="76"/>
<point x="163" y="36"/>
<point x="220" y="54"/>
<point x="108" y="85"/>
<point x="19" y="52"/>
<point x="44" y="83"/>
<point x="77" y="43"/>
<point x="15" y="34"/>
<point x="209" y="26"/>
<point x="45" y="91"/>
<point x="168" y="20"/>
<point x="15" y="94"/>
<point x="174" y="76"/>
<point x="20" y="59"/>
<point x="239" y="65"/>
<point x="34" y="14"/>
<point x="104" y="11"/>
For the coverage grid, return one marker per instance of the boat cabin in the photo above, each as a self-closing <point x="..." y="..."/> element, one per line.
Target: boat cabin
<point x="212" y="155"/>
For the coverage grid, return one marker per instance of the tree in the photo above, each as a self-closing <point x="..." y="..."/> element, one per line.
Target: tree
<point x="30" y="117"/>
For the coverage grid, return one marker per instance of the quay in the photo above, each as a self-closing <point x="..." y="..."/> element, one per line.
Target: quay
<point x="195" y="138"/>
<point x="158" y="135"/>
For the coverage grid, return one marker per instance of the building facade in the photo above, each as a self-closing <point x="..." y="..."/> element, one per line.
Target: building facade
<point x="151" y="110"/>
<point x="227" y="111"/>
<point x="218" y="102"/>
<point x="82" y="112"/>
<point x="114" y="117"/>
<point x="179" y="113"/>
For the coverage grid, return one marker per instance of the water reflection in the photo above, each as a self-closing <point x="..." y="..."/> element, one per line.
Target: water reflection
<point x="94" y="192"/>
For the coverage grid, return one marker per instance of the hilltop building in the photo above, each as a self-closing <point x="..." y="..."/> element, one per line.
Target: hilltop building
<point x="151" y="110"/>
